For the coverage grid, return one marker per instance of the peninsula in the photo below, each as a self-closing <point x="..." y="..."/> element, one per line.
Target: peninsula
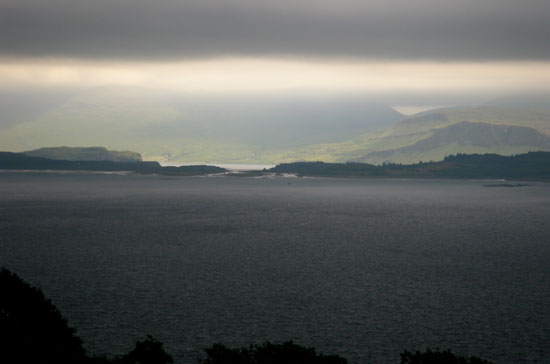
<point x="21" y="161"/>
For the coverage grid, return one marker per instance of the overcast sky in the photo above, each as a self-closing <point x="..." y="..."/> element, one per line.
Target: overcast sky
<point x="161" y="29"/>
<point x="421" y="46"/>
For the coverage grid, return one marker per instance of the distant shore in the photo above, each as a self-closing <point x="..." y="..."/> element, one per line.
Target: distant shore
<point x="233" y="167"/>
<point x="534" y="166"/>
<point x="20" y="161"/>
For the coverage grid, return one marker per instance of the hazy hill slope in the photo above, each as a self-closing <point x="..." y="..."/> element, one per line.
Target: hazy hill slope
<point x="421" y="127"/>
<point x="85" y="154"/>
<point x="17" y="106"/>
<point x="466" y="137"/>
<point x="102" y="117"/>
<point x="425" y="121"/>
<point x="539" y="101"/>
<point x="244" y="129"/>
<point x="185" y="128"/>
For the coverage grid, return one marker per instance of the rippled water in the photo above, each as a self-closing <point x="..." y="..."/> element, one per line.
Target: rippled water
<point x="355" y="267"/>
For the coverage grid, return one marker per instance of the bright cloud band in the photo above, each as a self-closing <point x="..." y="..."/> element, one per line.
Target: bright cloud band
<point x="244" y="75"/>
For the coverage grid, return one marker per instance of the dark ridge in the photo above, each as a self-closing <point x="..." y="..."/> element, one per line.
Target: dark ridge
<point x="532" y="165"/>
<point x="20" y="161"/>
<point x="329" y="169"/>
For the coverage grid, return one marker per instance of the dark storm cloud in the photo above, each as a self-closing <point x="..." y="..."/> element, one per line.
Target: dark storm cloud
<point x="170" y="29"/>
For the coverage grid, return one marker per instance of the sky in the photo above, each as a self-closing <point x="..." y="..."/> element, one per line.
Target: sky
<point x="410" y="53"/>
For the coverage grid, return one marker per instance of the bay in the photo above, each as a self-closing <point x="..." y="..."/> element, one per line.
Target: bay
<point x="362" y="268"/>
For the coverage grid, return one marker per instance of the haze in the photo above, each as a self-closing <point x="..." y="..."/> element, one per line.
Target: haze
<point x="412" y="56"/>
<point x="422" y="47"/>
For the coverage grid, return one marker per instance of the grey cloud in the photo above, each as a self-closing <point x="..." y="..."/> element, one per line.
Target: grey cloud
<point x="398" y="29"/>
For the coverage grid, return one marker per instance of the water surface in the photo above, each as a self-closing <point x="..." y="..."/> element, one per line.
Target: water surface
<point x="362" y="268"/>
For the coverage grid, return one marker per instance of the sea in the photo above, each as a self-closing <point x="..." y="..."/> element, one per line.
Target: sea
<point x="361" y="268"/>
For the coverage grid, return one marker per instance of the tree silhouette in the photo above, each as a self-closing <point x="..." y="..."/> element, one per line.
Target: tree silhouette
<point x="32" y="329"/>
<point x="438" y="357"/>
<point x="268" y="353"/>
<point x="148" y="351"/>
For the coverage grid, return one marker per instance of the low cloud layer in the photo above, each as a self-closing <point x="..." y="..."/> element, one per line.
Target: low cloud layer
<point x="246" y="75"/>
<point x="173" y="30"/>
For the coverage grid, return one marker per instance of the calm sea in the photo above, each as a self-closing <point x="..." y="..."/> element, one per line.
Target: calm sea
<point x="356" y="267"/>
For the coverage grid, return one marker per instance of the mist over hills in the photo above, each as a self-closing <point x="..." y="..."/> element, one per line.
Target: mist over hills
<point x="433" y="134"/>
<point x="526" y="101"/>
<point x="184" y="128"/>
<point x="500" y="115"/>
<point x="465" y="136"/>
<point x="22" y="105"/>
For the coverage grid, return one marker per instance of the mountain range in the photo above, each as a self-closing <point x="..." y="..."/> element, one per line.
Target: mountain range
<point x="462" y="137"/>
<point x="193" y="129"/>
<point x="434" y="134"/>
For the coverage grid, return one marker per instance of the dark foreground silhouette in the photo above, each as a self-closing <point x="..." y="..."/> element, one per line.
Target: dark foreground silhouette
<point x="32" y="330"/>
<point x="438" y="357"/>
<point x="268" y="353"/>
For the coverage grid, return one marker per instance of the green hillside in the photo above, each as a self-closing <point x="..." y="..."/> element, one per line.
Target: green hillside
<point x="465" y="137"/>
<point x="433" y="134"/>
<point x="191" y="129"/>
<point x="85" y="154"/>
<point x="102" y="117"/>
